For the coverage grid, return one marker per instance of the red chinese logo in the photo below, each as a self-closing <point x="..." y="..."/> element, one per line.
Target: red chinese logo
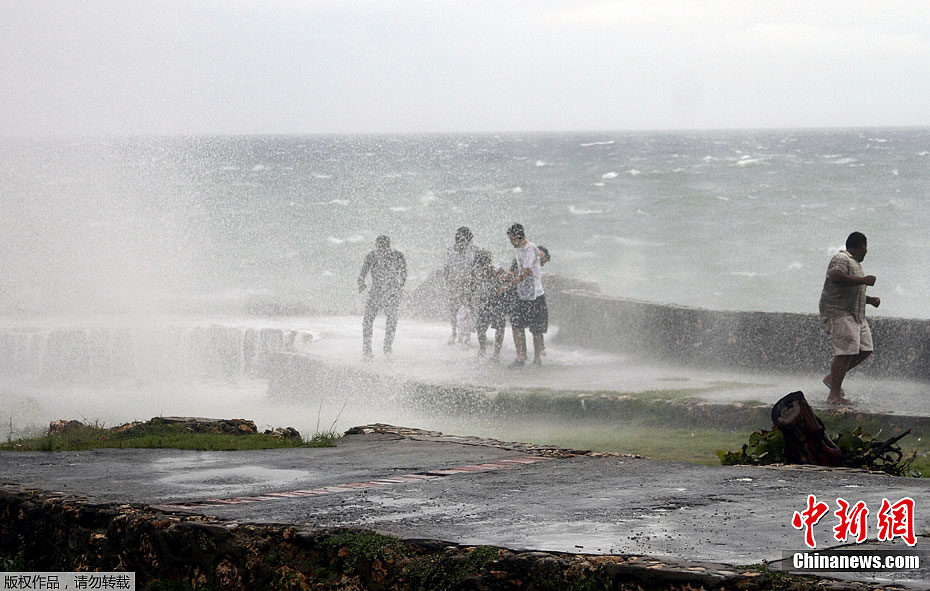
<point x="893" y="520"/>
<point x="852" y="522"/>
<point x="808" y="518"/>
<point x="897" y="520"/>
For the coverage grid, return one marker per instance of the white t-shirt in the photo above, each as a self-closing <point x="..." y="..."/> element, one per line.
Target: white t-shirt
<point x="527" y="257"/>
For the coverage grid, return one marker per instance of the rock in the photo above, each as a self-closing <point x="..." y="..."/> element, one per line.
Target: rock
<point x="288" y="433"/>
<point x="61" y="427"/>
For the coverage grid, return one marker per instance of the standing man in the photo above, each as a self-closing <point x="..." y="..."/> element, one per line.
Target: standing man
<point x="388" y="274"/>
<point x="456" y="272"/>
<point x="530" y="309"/>
<point x="842" y="310"/>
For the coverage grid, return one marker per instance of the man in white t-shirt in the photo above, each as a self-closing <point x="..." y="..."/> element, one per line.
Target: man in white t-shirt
<point x="530" y="309"/>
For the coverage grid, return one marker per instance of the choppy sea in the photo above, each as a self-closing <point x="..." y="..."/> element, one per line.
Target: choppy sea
<point x="742" y="220"/>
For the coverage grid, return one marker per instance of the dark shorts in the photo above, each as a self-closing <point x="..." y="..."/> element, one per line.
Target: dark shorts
<point x="493" y="313"/>
<point x="532" y="314"/>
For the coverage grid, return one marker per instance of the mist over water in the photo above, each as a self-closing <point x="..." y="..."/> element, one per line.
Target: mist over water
<point x="127" y="253"/>
<point x="722" y="220"/>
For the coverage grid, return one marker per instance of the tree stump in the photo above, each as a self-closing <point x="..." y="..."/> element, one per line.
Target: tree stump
<point x="806" y="441"/>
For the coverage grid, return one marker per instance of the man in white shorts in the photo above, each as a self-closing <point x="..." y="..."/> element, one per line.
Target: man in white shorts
<point x="842" y="310"/>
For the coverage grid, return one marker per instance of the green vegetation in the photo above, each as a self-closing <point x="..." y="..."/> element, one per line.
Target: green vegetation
<point x="764" y="448"/>
<point x="662" y="424"/>
<point x="368" y="546"/>
<point x="327" y="439"/>
<point x="448" y="571"/>
<point x="860" y="450"/>
<point x="159" y="436"/>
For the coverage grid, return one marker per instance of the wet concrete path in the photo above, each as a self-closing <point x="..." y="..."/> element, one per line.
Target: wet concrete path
<point x="420" y="353"/>
<point x="471" y="492"/>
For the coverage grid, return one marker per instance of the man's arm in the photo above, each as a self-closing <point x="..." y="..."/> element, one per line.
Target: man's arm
<point x="873" y="301"/>
<point x="838" y="276"/>
<point x="402" y="263"/>
<point x="361" y="276"/>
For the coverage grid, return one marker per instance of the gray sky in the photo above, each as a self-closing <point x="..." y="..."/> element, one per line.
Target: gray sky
<point x="322" y="66"/>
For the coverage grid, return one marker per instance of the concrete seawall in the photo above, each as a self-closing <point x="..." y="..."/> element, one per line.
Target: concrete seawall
<point x="719" y="338"/>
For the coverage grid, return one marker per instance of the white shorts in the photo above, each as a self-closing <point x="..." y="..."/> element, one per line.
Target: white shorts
<point x="847" y="336"/>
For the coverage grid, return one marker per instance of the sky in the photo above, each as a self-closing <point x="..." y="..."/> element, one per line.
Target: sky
<point x="188" y="67"/>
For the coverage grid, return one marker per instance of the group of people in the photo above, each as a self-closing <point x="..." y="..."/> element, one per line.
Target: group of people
<point x="480" y="295"/>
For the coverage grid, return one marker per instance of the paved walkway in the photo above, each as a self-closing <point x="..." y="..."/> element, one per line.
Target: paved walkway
<point x="470" y="492"/>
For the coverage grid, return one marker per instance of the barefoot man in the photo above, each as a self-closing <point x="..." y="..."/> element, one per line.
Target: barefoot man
<point x="842" y="310"/>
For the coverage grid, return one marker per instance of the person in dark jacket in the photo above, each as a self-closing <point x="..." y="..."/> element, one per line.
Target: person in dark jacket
<point x="388" y="274"/>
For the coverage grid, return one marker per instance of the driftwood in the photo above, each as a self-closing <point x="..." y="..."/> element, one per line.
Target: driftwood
<point x="806" y="440"/>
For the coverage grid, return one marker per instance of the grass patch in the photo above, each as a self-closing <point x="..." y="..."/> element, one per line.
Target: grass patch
<point x="448" y="572"/>
<point x="686" y="444"/>
<point x="159" y="437"/>
<point x="356" y="547"/>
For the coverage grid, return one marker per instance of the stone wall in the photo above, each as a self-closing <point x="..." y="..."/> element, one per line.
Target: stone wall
<point x="55" y="533"/>
<point x="73" y="354"/>
<point x="716" y="338"/>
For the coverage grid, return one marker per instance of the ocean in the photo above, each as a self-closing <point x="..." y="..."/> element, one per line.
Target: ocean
<point x="742" y="220"/>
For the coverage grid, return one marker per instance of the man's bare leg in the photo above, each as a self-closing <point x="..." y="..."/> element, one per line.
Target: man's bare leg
<point x="838" y="369"/>
<point x="519" y="342"/>
<point x="498" y="343"/>
<point x="538" y="347"/>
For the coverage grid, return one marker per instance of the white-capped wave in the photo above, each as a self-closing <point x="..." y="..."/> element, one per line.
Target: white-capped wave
<point x="599" y="184"/>
<point x="746" y="273"/>
<point x="623" y="240"/>
<point x="633" y="172"/>
<point x="321" y="176"/>
<point x="542" y="163"/>
<point x="844" y="160"/>
<point x="354" y="239"/>
<point x="747" y="160"/>
<point x="428" y="198"/>
<point x="229" y="167"/>
<point x="259" y="168"/>
<point x="795" y="266"/>
<point x="517" y="190"/>
<point x="610" y="175"/>
<point x="400" y="208"/>
<point x="924" y="153"/>
<point x="578" y="211"/>
<point x="589" y="144"/>
<point x="721" y="197"/>
<point x="342" y="202"/>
